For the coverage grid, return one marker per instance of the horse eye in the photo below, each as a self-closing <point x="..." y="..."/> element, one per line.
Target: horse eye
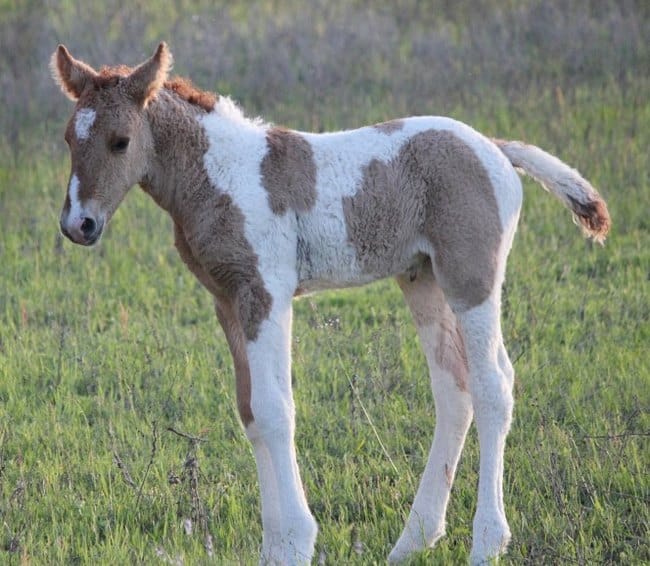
<point x="119" y="145"/>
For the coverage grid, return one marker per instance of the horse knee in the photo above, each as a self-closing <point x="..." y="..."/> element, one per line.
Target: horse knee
<point x="492" y="398"/>
<point x="273" y="418"/>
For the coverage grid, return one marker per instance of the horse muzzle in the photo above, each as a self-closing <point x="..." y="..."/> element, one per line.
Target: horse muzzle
<point x="83" y="230"/>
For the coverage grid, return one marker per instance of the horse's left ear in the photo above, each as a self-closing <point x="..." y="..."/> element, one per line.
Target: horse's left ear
<point x="147" y="79"/>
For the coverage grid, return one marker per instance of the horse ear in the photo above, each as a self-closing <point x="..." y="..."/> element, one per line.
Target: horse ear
<point x="147" y="79"/>
<point x="71" y="75"/>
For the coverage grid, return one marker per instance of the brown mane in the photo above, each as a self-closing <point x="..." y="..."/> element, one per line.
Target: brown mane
<point x="187" y="91"/>
<point x="184" y="88"/>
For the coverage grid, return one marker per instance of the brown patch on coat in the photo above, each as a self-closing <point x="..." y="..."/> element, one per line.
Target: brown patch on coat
<point x="185" y="252"/>
<point x="211" y="224"/>
<point x="288" y="172"/>
<point x="390" y="126"/>
<point x="437" y="188"/>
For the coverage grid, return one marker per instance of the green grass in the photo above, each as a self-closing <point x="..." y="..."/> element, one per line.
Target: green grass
<point x="102" y="350"/>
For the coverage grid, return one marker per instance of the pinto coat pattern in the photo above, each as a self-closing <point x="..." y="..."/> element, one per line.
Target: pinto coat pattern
<point x="263" y="214"/>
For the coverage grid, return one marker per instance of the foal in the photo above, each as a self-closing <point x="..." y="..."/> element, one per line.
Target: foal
<point x="263" y="214"/>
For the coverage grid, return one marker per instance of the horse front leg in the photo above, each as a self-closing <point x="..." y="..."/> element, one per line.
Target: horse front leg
<point x="266" y="407"/>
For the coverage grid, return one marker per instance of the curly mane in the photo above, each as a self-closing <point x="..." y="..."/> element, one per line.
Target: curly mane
<point x="187" y="91"/>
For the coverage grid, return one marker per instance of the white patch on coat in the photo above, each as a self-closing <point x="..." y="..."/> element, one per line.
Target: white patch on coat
<point x="83" y="121"/>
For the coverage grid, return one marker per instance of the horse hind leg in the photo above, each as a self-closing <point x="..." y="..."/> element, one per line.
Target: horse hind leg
<point x="491" y="388"/>
<point x="443" y="349"/>
<point x="491" y="378"/>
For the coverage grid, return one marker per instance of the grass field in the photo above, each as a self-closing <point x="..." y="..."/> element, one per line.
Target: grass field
<point x="112" y="365"/>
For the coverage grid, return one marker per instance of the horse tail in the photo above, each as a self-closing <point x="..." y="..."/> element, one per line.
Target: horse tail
<point x="577" y="194"/>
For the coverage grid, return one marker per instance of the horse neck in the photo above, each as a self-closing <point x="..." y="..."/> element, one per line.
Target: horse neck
<point x="181" y="141"/>
<point x="179" y="144"/>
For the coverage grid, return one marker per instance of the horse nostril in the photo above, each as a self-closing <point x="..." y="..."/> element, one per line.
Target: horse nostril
<point x="88" y="227"/>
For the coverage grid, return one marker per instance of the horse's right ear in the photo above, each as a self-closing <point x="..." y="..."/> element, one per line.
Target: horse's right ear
<point x="71" y="75"/>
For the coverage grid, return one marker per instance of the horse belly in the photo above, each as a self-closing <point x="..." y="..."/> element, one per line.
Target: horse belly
<point x="327" y="259"/>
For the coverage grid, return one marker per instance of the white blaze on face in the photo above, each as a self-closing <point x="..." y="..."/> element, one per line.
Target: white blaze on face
<point x="75" y="205"/>
<point x="83" y="121"/>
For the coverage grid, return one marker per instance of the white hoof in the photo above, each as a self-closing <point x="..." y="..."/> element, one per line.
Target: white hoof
<point x="407" y="545"/>
<point x="490" y="539"/>
<point x="293" y="548"/>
